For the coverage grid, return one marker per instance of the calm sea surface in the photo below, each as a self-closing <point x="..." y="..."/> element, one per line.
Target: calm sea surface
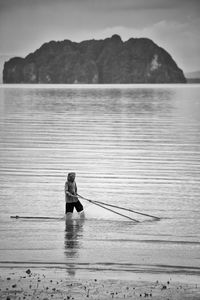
<point x="133" y="146"/>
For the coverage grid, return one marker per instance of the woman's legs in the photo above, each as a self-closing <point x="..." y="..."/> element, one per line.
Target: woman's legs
<point x="68" y="216"/>
<point x="79" y="208"/>
<point x="69" y="207"/>
<point x="81" y="214"/>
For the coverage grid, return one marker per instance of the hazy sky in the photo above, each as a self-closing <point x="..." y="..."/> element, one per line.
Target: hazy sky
<point x="173" y="24"/>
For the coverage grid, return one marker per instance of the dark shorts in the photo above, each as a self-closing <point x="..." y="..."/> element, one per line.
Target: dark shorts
<point x="70" y="206"/>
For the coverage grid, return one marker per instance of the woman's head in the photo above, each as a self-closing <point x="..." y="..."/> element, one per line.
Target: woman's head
<point x="71" y="176"/>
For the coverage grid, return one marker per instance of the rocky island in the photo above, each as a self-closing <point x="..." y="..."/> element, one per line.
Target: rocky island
<point x="138" y="60"/>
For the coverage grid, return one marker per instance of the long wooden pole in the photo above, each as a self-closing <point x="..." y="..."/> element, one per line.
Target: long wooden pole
<point x="37" y="218"/>
<point x="119" y="207"/>
<point x="115" y="212"/>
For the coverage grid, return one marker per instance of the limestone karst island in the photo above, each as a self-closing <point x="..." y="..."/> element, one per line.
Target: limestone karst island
<point x="138" y="60"/>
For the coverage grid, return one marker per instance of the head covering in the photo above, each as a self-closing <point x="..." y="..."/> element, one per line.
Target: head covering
<point x="71" y="176"/>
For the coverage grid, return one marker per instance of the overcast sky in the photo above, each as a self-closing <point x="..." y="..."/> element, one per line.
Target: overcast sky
<point x="173" y="24"/>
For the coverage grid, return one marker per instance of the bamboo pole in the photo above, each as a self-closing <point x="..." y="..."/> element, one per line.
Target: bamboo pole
<point x="119" y="207"/>
<point x="115" y="212"/>
<point x="37" y="218"/>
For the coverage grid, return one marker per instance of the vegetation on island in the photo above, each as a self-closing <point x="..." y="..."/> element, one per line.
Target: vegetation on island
<point x="138" y="60"/>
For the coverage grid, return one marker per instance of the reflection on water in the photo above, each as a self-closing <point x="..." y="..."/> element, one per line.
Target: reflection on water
<point x="73" y="232"/>
<point x="135" y="146"/>
<point x="73" y="235"/>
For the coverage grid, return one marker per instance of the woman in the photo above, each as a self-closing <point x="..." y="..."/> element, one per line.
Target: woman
<point x="71" y="197"/>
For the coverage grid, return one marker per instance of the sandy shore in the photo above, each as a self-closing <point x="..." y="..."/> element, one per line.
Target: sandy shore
<point x="23" y="283"/>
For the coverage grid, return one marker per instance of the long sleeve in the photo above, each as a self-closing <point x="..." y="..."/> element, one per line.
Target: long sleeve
<point x="76" y="190"/>
<point x="66" y="187"/>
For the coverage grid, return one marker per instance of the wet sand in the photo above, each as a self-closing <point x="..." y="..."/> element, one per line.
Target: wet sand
<point x="22" y="283"/>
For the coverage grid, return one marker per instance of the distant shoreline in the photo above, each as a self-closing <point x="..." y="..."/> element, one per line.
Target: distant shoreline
<point x="102" y="85"/>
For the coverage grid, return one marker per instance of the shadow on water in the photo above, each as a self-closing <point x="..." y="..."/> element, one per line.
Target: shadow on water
<point x="73" y="235"/>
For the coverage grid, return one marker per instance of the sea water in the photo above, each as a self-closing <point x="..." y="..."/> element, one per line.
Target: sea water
<point x="135" y="146"/>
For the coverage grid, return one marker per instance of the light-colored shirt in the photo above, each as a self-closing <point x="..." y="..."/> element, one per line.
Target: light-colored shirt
<point x="70" y="188"/>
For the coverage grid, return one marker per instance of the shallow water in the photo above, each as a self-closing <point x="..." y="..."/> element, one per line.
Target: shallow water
<point x="134" y="146"/>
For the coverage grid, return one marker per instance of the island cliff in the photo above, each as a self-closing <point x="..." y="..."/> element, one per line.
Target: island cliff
<point x="138" y="60"/>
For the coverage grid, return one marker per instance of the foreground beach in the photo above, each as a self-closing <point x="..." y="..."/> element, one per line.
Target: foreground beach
<point x="23" y="283"/>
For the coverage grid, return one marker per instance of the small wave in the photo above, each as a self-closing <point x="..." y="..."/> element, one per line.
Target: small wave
<point x="105" y="266"/>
